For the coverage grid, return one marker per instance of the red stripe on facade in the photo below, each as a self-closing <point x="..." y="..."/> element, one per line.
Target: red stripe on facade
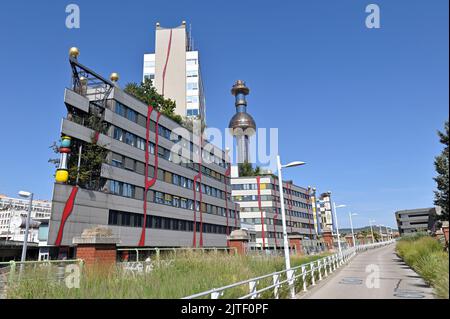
<point x="258" y="183"/>
<point x="66" y="213"/>
<point x="167" y="61"/>
<point x="227" y="173"/>
<point x="275" y="216"/>
<point x="198" y="178"/>
<point x="289" y="186"/>
<point x="149" y="183"/>
<point x="194" y="240"/>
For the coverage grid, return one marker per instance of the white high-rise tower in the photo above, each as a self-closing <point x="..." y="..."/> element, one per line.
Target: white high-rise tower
<point x="174" y="69"/>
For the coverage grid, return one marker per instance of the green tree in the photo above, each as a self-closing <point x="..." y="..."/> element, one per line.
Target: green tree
<point x="246" y="169"/>
<point x="442" y="168"/>
<point x="147" y="93"/>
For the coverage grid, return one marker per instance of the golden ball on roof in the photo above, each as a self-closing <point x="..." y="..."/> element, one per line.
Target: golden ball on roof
<point x="74" y="52"/>
<point x="114" y="77"/>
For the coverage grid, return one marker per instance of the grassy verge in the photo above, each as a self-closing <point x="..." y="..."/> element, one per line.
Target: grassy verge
<point x="426" y="256"/>
<point x="173" y="277"/>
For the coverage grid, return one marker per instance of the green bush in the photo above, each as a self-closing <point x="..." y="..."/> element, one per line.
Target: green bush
<point x="426" y="256"/>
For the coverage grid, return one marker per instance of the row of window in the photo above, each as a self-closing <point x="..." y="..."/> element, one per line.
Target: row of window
<point x="124" y="162"/>
<point x="249" y="198"/>
<point x="277" y="222"/>
<point x="262" y="186"/>
<point x="185" y="203"/>
<point x="135" y="141"/>
<point x="278" y="211"/>
<point x="119" y="218"/>
<point x="131" y="191"/>
<point x="138" y="118"/>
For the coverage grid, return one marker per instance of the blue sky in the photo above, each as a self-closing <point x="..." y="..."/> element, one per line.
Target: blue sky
<point x="360" y="106"/>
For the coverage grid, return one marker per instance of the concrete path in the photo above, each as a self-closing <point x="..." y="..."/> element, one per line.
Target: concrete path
<point x="353" y="281"/>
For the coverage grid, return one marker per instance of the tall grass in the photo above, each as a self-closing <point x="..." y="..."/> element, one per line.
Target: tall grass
<point x="172" y="277"/>
<point x="426" y="256"/>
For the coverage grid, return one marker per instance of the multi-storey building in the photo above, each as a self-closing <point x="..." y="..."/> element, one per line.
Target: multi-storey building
<point x="151" y="186"/>
<point x="416" y="220"/>
<point x="175" y="71"/>
<point x="326" y="211"/>
<point x="13" y="214"/>
<point x="259" y="202"/>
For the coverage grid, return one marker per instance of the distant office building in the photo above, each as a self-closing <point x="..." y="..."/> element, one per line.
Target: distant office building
<point x="175" y="71"/>
<point x="142" y="188"/>
<point x="315" y="210"/>
<point x="259" y="202"/>
<point x="13" y="214"/>
<point x="416" y="220"/>
<point x="325" y="211"/>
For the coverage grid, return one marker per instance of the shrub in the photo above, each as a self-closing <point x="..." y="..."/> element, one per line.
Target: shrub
<point x="426" y="256"/>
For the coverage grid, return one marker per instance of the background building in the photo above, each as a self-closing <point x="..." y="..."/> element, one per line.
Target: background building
<point x="153" y="200"/>
<point x="416" y="220"/>
<point x="259" y="202"/>
<point x="175" y="70"/>
<point x="13" y="213"/>
<point x="326" y="211"/>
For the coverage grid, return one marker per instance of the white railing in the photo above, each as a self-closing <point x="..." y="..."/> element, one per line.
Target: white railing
<point x="303" y="276"/>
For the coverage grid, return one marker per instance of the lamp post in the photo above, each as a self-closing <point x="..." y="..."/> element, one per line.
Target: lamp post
<point x="337" y="227"/>
<point x="371" y="230"/>
<point x="27" y="226"/>
<point x="381" y="234"/>
<point x="351" y="226"/>
<point x="283" y="220"/>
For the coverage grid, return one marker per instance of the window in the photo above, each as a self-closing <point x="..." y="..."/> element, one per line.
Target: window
<point x="168" y="177"/>
<point x="140" y="143"/>
<point x="175" y="179"/>
<point x="120" y="109"/>
<point x="116" y="160"/>
<point x="176" y="201"/>
<point x="118" y="134"/>
<point x="192" y="99"/>
<point x="192" y="112"/>
<point x="131" y="115"/>
<point x="168" y="199"/>
<point x="191" y="73"/>
<point x="192" y="86"/>
<point x="159" y="198"/>
<point x="191" y="61"/>
<point x="129" y="163"/>
<point x="130" y="139"/>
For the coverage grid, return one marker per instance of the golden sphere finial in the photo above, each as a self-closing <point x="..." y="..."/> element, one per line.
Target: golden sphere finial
<point x="114" y="77"/>
<point x="74" y="52"/>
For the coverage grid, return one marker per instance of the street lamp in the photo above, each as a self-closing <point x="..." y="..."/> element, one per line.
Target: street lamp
<point x="283" y="219"/>
<point x="371" y="229"/>
<point x="27" y="227"/>
<point x="337" y="227"/>
<point x="351" y="226"/>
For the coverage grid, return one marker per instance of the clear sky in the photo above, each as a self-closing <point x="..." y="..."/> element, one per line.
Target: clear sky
<point x="360" y="106"/>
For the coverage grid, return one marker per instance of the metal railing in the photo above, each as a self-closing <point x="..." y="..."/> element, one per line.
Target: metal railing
<point x="300" y="276"/>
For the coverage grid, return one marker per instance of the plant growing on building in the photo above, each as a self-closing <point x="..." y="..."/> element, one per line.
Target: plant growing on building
<point x="246" y="169"/>
<point x="88" y="174"/>
<point x="146" y="92"/>
<point x="441" y="164"/>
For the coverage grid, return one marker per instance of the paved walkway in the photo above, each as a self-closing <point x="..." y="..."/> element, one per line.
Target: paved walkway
<point x="353" y="281"/>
